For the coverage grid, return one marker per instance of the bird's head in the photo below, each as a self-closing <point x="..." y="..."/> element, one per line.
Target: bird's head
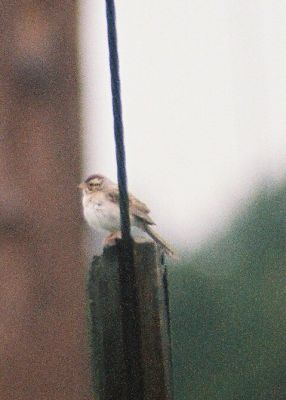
<point x="92" y="184"/>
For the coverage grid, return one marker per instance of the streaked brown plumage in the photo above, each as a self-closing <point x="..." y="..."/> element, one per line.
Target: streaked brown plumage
<point x="101" y="210"/>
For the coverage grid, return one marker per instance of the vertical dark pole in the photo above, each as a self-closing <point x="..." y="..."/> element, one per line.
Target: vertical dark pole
<point x="128" y="294"/>
<point x="111" y="377"/>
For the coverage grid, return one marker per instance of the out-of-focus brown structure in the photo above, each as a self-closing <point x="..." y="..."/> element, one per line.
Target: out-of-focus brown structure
<point x="43" y="346"/>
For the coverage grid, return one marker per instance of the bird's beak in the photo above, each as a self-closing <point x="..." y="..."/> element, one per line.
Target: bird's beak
<point x="82" y="186"/>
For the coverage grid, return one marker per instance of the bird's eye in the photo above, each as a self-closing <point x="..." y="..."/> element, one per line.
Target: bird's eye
<point x="93" y="185"/>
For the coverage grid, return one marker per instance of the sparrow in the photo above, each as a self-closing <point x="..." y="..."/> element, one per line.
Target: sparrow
<point x="100" y="201"/>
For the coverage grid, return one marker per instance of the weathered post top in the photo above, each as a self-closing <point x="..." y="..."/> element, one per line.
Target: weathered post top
<point x="130" y="325"/>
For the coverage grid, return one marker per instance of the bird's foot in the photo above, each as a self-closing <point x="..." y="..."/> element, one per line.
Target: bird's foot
<point x="110" y="240"/>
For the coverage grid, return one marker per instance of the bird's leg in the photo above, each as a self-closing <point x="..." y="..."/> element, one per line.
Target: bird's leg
<point x="110" y="239"/>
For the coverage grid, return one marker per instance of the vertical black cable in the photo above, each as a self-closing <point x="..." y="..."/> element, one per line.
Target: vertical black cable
<point x="130" y="317"/>
<point x="117" y="116"/>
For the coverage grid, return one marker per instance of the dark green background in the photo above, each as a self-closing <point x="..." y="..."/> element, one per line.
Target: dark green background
<point x="228" y="308"/>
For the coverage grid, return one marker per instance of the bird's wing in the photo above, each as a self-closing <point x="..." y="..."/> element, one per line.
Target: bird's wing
<point x="137" y="207"/>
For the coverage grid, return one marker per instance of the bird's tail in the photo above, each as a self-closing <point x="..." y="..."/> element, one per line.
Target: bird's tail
<point x="157" y="238"/>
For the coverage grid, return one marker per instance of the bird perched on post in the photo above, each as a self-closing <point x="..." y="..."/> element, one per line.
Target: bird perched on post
<point x="100" y="202"/>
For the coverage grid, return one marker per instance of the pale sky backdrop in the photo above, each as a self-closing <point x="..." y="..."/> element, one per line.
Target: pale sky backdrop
<point x="204" y="104"/>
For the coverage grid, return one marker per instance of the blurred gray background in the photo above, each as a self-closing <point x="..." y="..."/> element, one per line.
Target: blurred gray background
<point x="204" y="96"/>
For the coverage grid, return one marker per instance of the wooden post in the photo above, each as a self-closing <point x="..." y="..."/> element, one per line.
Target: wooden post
<point x="153" y="354"/>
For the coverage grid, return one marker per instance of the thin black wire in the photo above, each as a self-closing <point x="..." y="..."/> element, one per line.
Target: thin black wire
<point x="117" y="120"/>
<point x="130" y="316"/>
